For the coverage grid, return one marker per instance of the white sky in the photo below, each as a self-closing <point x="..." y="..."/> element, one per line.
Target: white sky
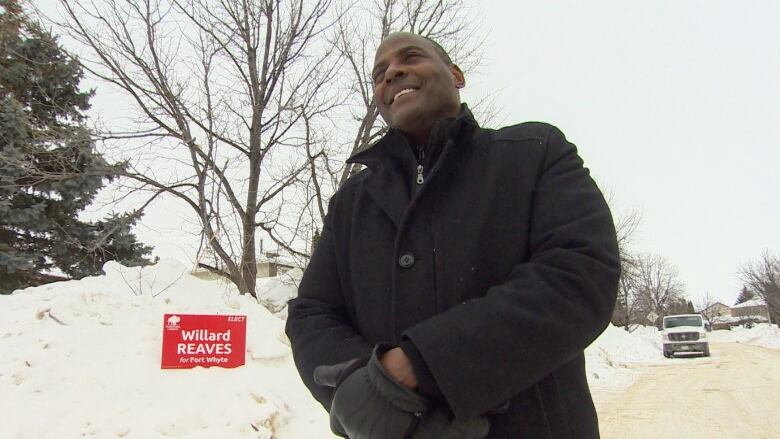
<point x="674" y="106"/>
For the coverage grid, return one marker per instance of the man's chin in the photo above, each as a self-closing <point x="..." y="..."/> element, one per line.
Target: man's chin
<point x="408" y="121"/>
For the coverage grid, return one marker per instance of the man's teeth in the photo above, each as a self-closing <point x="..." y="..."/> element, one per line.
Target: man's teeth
<point x="402" y="92"/>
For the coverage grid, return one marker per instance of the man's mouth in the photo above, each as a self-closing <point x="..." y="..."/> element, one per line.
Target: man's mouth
<point x="401" y="93"/>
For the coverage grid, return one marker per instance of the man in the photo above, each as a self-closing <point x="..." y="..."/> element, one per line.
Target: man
<point x="459" y="277"/>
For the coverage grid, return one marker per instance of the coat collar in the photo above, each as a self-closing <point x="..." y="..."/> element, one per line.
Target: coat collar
<point x="389" y="185"/>
<point x="394" y="144"/>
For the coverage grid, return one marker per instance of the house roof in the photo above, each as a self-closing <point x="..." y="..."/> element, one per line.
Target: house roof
<point x="717" y="304"/>
<point x="751" y="302"/>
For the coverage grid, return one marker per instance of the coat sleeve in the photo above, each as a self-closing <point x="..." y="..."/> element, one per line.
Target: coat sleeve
<point x="486" y="350"/>
<point x="318" y="324"/>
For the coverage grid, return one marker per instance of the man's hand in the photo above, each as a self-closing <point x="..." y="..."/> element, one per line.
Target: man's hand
<point x="369" y="403"/>
<point x="397" y="364"/>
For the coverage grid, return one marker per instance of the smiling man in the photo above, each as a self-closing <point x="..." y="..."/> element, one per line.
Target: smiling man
<point x="460" y="276"/>
<point x="426" y="89"/>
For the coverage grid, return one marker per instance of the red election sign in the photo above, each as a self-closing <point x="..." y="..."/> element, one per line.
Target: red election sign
<point x="203" y="340"/>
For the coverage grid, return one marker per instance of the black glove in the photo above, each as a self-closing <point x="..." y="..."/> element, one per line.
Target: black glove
<point x="370" y="404"/>
<point x="439" y="425"/>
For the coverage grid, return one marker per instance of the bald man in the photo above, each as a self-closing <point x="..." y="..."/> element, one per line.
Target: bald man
<point x="460" y="276"/>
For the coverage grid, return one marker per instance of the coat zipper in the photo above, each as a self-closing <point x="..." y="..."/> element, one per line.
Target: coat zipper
<point x="413" y="425"/>
<point x="420" y="168"/>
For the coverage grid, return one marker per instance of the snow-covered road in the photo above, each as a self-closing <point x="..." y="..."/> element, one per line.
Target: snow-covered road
<point x="733" y="393"/>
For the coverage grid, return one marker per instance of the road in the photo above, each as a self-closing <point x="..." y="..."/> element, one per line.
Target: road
<point x="735" y="393"/>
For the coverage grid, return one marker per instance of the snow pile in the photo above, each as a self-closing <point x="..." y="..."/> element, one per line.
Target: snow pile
<point x="762" y="334"/>
<point x="628" y="347"/>
<point x="649" y="333"/>
<point x="82" y="359"/>
<point x="610" y="357"/>
<point x="274" y="292"/>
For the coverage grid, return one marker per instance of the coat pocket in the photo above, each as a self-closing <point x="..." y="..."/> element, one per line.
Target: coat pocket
<point x="552" y="407"/>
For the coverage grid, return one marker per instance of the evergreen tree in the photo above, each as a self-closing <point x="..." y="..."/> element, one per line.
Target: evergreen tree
<point x="49" y="169"/>
<point x="744" y="296"/>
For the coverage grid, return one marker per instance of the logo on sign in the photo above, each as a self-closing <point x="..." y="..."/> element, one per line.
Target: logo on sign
<point x="173" y="323"/>
<point x="203" y="340"/>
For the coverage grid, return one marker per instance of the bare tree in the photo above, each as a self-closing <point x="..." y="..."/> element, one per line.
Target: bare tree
<point x="659" y="287"/>
<point x="226" y="92"/>
<point x="713" y="310"/>
<point x="762" y="277"/>
<point x="626" y="229"/>
<point x="236" y="105"/>
<point x="706" y="305"/>
<point x="627" y="306"/>
<point x="626" y="311"/>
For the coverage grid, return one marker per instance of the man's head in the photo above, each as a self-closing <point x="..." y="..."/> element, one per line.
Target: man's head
<point x="415" y="84"/>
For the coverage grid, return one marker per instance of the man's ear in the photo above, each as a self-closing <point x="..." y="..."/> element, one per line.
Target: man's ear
<point x="457" y="75"/>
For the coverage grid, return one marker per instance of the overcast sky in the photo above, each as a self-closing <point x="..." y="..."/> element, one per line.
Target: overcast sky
<point x="674" y="106"/>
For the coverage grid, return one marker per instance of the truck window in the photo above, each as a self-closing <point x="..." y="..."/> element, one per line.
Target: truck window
<point x="673" y="322"/>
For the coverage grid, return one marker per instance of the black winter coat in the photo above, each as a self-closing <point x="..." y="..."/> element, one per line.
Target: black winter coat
<point x="500" y="269"/>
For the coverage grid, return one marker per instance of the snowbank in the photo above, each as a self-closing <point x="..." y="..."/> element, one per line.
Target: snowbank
<point x="763" y="334"/>
<point x="82" y="359"/>
<point x="274" y="292"/>
<point x="611" y="357"/>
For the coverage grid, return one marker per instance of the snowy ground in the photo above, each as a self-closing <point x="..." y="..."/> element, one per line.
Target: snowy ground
<point x="731" y="394"/>
<point x="82" y="359"/>
<point x="617" y="358"/>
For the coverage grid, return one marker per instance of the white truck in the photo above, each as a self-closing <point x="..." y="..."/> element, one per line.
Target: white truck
<point x="684" y="333"/>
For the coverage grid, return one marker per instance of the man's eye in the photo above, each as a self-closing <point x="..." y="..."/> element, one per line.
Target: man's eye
<point x="378" y="77"/>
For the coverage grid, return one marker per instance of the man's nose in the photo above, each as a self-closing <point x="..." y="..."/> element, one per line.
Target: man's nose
<point x="394" y="70"/>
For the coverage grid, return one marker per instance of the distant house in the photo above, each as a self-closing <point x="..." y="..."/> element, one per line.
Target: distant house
<point x="717" y="312"/>
<point x="265" y="268"/>
<point x="273" y="268"/>
<point x="754" y="309"/>
<point x="719" y="315"/>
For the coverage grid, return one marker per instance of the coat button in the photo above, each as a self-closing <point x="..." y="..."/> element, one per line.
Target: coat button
<point x="406" y="260"/>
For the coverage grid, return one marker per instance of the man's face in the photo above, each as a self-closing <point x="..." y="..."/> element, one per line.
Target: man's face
<point x="413" y="85"/>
